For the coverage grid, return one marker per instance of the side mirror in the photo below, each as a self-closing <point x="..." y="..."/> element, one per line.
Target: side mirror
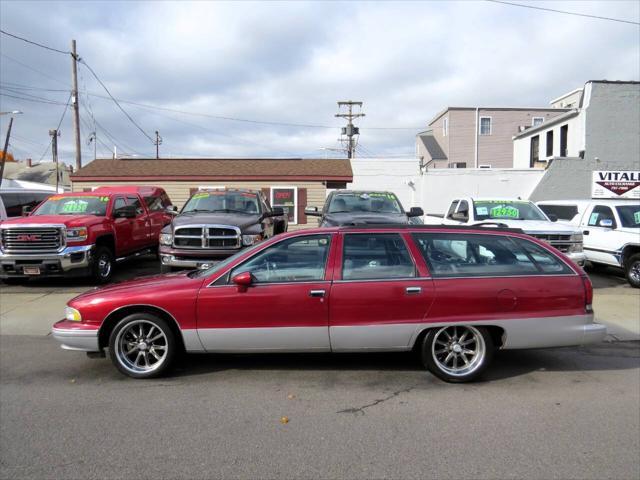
<point x="606" y="223"/>
<point x="552" y="217"/>
<point x="243" y="281"/>
<point x="415" y="212"/>
<point x="26" y="210"/>
<point x="312" y="212"/>
<point x="277" y="211"/>
<point x="171" y="210"/>
<point x="128" y="211"/>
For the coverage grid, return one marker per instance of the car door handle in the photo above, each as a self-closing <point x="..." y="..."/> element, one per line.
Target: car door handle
<point x="413" y="290"/>
<point x="585" y="232"/>
<point x="316" y="293"/>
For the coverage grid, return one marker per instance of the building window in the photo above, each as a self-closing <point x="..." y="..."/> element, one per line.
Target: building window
<point x="535" y="121"/>
<point x="287" y="198"/>
<point x="564" y="134"/>
<point x="550" y="143"/>
<point x="485" y="125"/>
<point x="535" y="151"/>
<point x="445" y="126"/>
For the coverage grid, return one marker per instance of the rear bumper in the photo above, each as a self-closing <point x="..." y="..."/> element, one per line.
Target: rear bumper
<point x="72" y="337"/>
<point x="71" y="261"/>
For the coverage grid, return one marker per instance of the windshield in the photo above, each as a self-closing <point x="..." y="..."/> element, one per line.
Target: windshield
<point x="629" y="215"/>
<point x="365" y="202"/>
<point x="507" y="210"/>
<point x="221" y="265"/>
<point x="70" y="205"/>
<point x="222" y="201"/>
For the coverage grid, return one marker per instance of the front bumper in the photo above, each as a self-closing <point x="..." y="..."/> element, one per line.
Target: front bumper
<point x="71" y="261"/>
<point x="76" y="336"/>
<point x="173" y="257"/>
<point x="579" y="258"/>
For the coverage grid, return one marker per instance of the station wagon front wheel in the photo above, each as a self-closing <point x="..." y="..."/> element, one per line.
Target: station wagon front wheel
<point x="142" y="346"/>
<point x="457" y="353"/>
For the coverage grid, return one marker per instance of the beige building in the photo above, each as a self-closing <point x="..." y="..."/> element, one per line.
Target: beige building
<point x="289" y="183"/>
<point x="477" y="137"/>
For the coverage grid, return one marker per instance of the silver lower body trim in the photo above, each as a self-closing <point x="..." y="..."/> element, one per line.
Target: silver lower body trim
<point x="80" y="340"/>
<point x="279" y="339"/>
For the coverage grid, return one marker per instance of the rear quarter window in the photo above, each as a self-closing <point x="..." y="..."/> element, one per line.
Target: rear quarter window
<point x="563" y="212"/>
<point x="477" y="255"/>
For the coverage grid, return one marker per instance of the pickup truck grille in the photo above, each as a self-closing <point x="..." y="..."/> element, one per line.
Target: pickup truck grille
<point x="558" y="241"/>
<point x="31" y="239"/>
<point x="220" y="237"/>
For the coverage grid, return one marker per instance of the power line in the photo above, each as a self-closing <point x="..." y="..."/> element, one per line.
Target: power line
<point x="82" y="61"/>
<point x="35" y="43"/>
<point x="57" y="128"/>
<point x="577" y="14"/>
<point x="33" y="69"/>
<point x="49" y="102"/>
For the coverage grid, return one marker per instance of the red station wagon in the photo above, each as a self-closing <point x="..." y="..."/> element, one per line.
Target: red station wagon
<point x="455" y="293"/>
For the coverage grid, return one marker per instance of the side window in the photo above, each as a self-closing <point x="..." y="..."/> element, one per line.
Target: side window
<point x="154" y="204"/>
<point x="12" y="204"/>
<point x="463" y="211"/>
<point x="452" y="208"/>
<point x="166" y="201"/>
<point x="377" y="256"/>
<point x="563" y="212"/>
<point x="599" y="213"/>
<point x="460" y="255"/>
<point x="545" y="260"/>
<point x="135" y="201"/>
<point x="298" y="259"/>
<point x="118" y="203"/>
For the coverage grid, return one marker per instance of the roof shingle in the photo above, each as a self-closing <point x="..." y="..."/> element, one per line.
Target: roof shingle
<point x="216" y="168"/>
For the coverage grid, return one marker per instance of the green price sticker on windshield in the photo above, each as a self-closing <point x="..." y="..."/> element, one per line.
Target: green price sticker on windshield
<point x="504" y="211"/>
<point x="75" y="206"/>
<point x="636" y="217"/>
<point x="201" y="195"/>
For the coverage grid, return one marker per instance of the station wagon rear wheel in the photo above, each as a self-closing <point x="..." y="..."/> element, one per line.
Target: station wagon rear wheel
<point x="142" y="346"/>
<point x="457" y="353"/>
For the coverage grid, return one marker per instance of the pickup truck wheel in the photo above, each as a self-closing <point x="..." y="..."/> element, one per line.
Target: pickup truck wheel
<point x="142" y="346"/>
<point x="633" y="271"/>
<point x="457" y="353"/>
<point x="102" y="266"/>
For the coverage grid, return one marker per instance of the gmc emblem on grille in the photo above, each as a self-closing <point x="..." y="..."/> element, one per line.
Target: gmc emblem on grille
<point x="28" y="238"/>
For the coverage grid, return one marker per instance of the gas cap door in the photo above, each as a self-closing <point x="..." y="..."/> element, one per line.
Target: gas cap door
<point x="507" y="300"/>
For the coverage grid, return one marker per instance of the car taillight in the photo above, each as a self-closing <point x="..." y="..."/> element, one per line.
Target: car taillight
<point x="588" y="293"/>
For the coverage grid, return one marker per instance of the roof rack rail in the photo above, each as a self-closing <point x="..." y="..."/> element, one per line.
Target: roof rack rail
<point x="485" y="226"/>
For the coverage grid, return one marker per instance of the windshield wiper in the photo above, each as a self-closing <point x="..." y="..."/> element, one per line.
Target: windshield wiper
<point x="341" y="211"/>
<point x="195" y="210"/>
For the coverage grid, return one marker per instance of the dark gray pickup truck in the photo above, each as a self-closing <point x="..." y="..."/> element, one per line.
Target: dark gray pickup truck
<point x="215" y="224"/>
<point x="356" y="207"/>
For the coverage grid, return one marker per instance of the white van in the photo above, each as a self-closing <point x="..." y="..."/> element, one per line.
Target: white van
<point x="13" y="200"/>
<point x="611" y="230"/>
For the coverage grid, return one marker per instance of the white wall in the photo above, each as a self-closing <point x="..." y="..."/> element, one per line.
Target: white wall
<point x="441" y="186"/>
<point x="388" y="174"/>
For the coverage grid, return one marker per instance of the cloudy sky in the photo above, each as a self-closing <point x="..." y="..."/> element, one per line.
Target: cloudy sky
<point x="288" y="63"/>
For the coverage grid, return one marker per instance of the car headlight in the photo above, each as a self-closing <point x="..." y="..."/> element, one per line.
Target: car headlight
<point x="76" y="234"/>
<point x="72" y="314"/>
<point x="576" y="242"/>
<point x="166" y="239"/>
<point x="248" y="240"/>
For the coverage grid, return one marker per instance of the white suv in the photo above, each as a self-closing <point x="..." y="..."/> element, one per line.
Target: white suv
<point x="611" y="230"/>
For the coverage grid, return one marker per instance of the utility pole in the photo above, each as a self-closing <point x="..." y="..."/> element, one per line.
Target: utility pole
<point x="157" y="143"/>
<point x="4" y="150"/>
<point x="350" y="130"/>
<point x="76" y="103"/>
<point x="54" y="153"/>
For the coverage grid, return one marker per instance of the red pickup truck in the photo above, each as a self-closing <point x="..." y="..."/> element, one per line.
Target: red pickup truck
<point x="83" y="233"/>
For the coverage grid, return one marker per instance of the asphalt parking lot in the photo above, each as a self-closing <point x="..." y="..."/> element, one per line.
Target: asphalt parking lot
<point x="557" y="413"/>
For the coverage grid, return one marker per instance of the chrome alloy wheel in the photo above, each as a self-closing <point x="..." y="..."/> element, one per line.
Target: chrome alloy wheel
<point x="458" y="350"/>
<point x="104" y="265"/>
<point x="141" y="347"/>
<point x="634" y="272"/>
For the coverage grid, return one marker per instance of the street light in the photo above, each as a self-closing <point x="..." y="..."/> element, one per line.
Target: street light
<point x="6" y="142"/>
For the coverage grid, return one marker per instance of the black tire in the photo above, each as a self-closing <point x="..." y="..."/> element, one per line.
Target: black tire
<point x="632" y="270"/>
<point x="477" y="338"/>
<point x="102" y="265"/>
<point x="140" y="363"/>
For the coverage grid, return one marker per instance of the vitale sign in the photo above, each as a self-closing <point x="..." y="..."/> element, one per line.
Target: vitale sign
<point x="615" y="184"/>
